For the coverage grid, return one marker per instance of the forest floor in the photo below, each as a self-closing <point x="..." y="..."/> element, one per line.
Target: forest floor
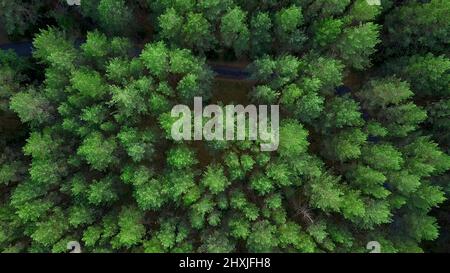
<point x="3" y="36"/>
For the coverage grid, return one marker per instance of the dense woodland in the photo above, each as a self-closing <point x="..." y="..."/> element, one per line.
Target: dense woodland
<point x="85" y="147"/>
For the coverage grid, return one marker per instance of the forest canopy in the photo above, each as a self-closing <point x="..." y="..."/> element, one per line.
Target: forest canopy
<point x="86" y="153"/>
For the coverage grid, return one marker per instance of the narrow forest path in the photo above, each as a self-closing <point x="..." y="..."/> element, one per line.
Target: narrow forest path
<point x="223" y="70"/>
